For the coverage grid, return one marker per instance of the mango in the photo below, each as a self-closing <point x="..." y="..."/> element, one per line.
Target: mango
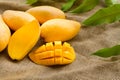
<point x="59" y="30"/>
<point x="23" y="40"/>
<point x="53" y="53"/>
<point x="4" y="34"/>
<point x="16" y="19"/>
<point x="44" y="13"/>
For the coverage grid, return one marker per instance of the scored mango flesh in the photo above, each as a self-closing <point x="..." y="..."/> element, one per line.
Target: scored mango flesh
<point x="53" y="54"/>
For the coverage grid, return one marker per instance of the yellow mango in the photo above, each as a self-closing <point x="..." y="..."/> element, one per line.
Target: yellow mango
<point x="16" y="19"/>
<point x="53" y="54"/>
<point x="4" y="34"/>
<point x="59" y="30"/>
<point x="23" y="40"/>
<point x="44" y="13"/>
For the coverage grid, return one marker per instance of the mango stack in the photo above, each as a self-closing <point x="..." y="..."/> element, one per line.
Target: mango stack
<point x="45" y="22"/>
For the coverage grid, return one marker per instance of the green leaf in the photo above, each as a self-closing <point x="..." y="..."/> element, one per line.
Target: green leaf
<point x="108" y="52"/>
<point x="85" y="6"/>
<point x="110" y="2"/>
<point x="105" y="15"/>
<point x="31" y="1"/>
<point x="68" y="5"/>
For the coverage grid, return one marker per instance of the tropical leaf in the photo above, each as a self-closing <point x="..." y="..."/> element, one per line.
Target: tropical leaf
<point x="110" y="2"/>
<point x="108" y="52"/>
<point x="105" y="15"/>
<point x="31" y="1"/>
<point x="68" y="5"/>
<point x="85" y="6"/>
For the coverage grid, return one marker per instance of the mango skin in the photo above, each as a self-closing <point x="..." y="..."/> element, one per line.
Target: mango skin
<point x="59" y="30"/>
<point x="5" y="34"/>
<point x="44" y="13"/>
<point x="57" y="54"/>
<point x="16" y="19"/>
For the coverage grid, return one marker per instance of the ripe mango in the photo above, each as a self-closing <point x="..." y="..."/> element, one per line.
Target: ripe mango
<point x="16" y="19"/>
<point x="53" y="53"/>
<point x="44" y="13"/>
<point x="23" y="40"/>
<point x="59" y="30"/>
<point x="4" y="34"/>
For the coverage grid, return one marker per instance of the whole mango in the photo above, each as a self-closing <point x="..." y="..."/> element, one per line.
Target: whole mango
<point x="16" y="19"/>
<point x="59" y="30"/>
<point x="44" y="13"/>
<point x="4" y="34"/>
